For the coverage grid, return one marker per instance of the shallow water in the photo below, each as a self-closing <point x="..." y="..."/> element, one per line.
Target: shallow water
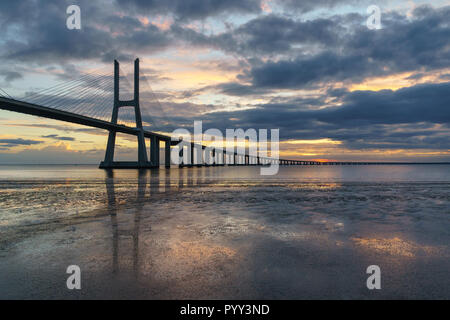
<point x="225" y="232"/>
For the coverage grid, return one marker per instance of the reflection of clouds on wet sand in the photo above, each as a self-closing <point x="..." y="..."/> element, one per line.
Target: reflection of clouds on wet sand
<point x="312" y="186"/>
<point x="198" y="252"/>
<point x="180" y="260"/>
<point x="183" y="259"/>
<point x="398" y="247"/>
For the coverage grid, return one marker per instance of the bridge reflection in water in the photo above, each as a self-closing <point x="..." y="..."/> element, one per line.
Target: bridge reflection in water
<point x="126" y="221"/>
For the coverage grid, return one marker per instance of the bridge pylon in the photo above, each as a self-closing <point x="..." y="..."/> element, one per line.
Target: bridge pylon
<point x="142" y="153"/>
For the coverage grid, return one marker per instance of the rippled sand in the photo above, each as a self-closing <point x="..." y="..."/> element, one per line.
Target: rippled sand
<point x="309" y="232"/>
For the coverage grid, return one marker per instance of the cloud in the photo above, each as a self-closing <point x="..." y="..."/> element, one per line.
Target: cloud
<point x="275" y="34"/>
<point x="193" y="9"/>
<point x="11" y="76"/>
<point x="402" y="45"/>
<point x="36" y="32"/>
<point x="57" y="137"/>
<point x="53" y="154"/>
<point x="8" y="143"/>
<point x="152" y="75"/>
<point x="411" y="118"/>
<point x="304" y="6"/>
<point x="414" y="117"/>
<point x="63" y="128"/>
<point x="286" y="53"/>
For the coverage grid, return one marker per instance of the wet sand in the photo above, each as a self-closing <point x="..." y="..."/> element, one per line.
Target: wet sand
<point x="203" y="233"/>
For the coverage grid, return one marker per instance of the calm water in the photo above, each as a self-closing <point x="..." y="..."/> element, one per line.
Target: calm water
<point x="308" y="232"/>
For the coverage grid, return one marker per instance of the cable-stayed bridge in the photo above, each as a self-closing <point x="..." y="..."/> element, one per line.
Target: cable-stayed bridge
<point x="93" y="100"/>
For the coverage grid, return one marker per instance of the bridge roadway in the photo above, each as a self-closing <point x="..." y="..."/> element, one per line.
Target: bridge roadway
<point x="40" y="111"/>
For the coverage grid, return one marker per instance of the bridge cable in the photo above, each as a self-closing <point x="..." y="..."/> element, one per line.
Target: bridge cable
<point x="62" y="93"/>
<point x="61" y="97"/>
<point x="5" y="93"/>
<point x="94" y="95"/>
<point x="51" y="96"/>
<point x="66" y="82"/>
<point x="158" y="104"/>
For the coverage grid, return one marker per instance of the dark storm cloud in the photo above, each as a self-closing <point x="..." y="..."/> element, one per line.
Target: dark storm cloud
<point x="270" y="35"/>
<point x="414" y="117"/>
<point x="36" y="32"/>
<point x="285" y="53"/>
<point x="193" y="9"/>
<point x="366" y="119"/>
<point x="427" y="102"/>
<point x="402" y="45"/>
<point x="277" y="34"/>
<point x="417" y="117"/>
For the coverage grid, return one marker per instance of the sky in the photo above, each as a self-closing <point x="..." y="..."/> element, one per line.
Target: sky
<point x="336" y="89"/>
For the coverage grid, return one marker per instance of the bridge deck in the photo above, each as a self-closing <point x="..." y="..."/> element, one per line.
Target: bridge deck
<point x="45" y="112"/>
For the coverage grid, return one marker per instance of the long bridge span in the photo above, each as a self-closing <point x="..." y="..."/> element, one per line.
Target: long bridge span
<point x="219" y="156"/>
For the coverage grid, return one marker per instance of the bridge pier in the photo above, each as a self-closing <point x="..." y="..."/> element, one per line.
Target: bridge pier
<point x="212" y="156"/>
<point x="167" y="154"/>
<point x="199" y="155"/>
<point x="222" y="156"/>
<point x="182" y="156"/>
<point x="233" y="160"/>
<point x="191" y="156"/>
<point x="142" y="153"/>
<point x="154" y="151"/>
